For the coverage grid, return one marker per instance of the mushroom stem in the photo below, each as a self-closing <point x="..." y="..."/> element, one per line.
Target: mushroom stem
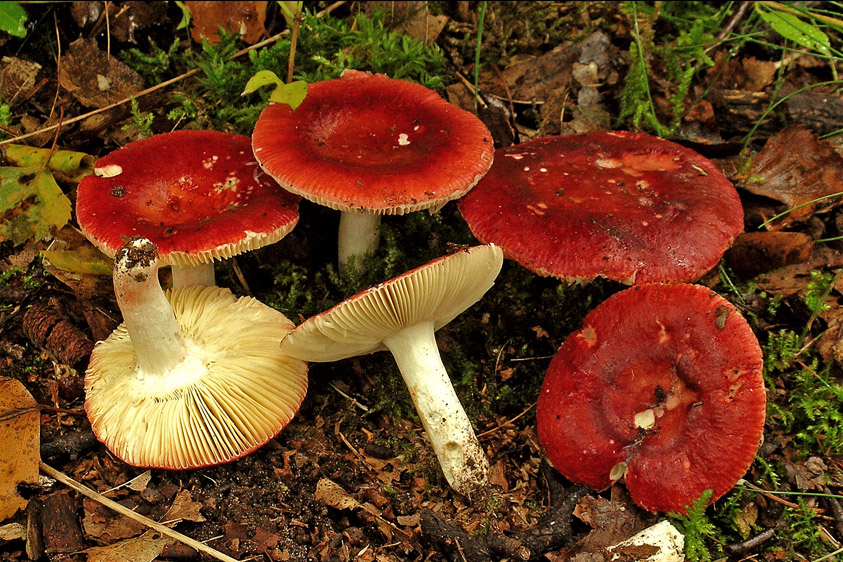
<point x="147" y="315"/>
<point x="189" y="275"/>
<point x="358" y="236"/>
<point x="463" y="460"/>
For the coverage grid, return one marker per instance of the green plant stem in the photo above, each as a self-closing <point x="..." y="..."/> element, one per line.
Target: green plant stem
<point x="799" y="206"/>
<point x="640" y="50"/>
<point x="772" y="106"/>
<point x="480" y="20"/>
<point x="294" y="37"/>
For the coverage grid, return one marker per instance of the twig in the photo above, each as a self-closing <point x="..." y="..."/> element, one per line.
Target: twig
<point x="122" y="510"/>
<point x="164" y="84"/>
<point x="741" y="548"/>
<point x="506" y="423"/>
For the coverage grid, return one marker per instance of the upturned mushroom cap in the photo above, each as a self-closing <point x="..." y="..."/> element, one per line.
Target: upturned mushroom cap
<point x="369" y="143"/>
<point x="436" y="292"/>
<point x="195" y="381"/>
<point x="198" y="195"/>
<point x="664" y="381"/>
<point x="626" y="206"/>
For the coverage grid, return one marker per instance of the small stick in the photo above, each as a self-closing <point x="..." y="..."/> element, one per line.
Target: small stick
<point x="84" y="490"/>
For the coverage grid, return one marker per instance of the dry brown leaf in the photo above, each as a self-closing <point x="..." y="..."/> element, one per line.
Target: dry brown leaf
<point x="94" y="77"/>
<point x="145" y="548"/>
<point x="758" y="252"/>
<point x="100" y="522"/>
<point x="19" y="444"/>
<point x="184" y="508"/>
<point x="332" y="494"/>
<point x="245" y="18"/>
<point x="795" y="167"/>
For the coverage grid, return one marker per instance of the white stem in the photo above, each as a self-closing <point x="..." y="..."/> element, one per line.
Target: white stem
<point x="463" y="460"/>
<point x="189" y="275"/>
<point x="359" y="236"/>
<point x="147" y="314"/>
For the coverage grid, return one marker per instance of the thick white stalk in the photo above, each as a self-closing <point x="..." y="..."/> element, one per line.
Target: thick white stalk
<point x="190" y="275"/>
<point x="463" y="460"/>
<point x="359" y="236"/>
<point x="147" y="314"/>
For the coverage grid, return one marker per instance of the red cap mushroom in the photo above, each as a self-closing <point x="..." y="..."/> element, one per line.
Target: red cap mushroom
<point x="627" y="206"/>
<point x="193" y="377"/>
<point x="198" y="195"/>
<point x="369" y="145"/>
<point x="663" y="384"/>
<point x="401" y="315"/>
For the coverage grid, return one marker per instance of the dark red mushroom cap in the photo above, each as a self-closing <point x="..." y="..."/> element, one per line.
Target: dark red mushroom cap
<point x="198" y="195"/>
<point x="366" y="142"/>
<point x="664" y="378"/>
<point x="626" y="206"/>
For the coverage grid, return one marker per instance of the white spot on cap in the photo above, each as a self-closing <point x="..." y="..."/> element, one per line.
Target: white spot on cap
<point x="403" y="139"/>
<point x="514" y="156"/>
<point x="608" y="163"/>
<point x="542" y="169"/>
<point x="526" y="168"/>
<point x="208" y="163"/>
<point x="108" y="171"/>
<point x="645" y="419"/>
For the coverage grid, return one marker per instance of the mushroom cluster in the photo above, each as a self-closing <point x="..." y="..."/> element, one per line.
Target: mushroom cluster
<point x="196" y="376"/>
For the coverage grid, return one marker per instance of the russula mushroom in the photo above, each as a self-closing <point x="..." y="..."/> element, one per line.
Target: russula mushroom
<point x="193" y="377"/>
<point x="198" y="195"/>
<point x="662" y="385"/>
<point x="626" y="206"/>
<point x="401" y="315"/>
<point x="369" y="145"/>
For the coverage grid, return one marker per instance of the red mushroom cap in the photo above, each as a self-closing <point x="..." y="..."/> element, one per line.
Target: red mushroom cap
<point x="366" y="142"/>
<point x="627" y="206"/>
<point x="664" y="378"/>
<point x="198" y="195"/>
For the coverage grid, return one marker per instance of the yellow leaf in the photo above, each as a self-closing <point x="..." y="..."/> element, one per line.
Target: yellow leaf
<point x="19" y="444"/>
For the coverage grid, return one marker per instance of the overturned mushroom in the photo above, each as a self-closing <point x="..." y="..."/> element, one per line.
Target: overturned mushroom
<point x="193" y="377"/>
<point x="401" y="315"/>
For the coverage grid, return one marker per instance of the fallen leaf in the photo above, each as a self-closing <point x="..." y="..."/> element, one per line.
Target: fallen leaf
<point x="795" y="167"/>
<point x="94" y="77"/>
<point x="31" y="203"/>
<point x="332" y="494"/>
<point x="145" y="548"/>
<point x="754" y="253"/>
<point x="245" y="18"/>
<point x="19" y="444"/>
<point x="184" y="508"/>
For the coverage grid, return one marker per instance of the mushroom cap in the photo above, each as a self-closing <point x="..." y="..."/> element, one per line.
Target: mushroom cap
<point x="233" y="392"/>
<point x="664" y="378"/>
<point x="437" y="292"/>
<point x="198" y="195"/>
<point x="366" y="142"/>
<point x="627" y="206"/>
